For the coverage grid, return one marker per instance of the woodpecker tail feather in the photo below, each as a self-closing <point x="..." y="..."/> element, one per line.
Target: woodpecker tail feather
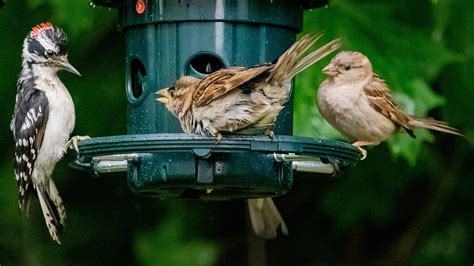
<point x="265" y="218"/>
<point x="289" y="64"/>
<point x="433" y="124"/>
<point x="53" y="211"/>
<point x="58" y="202"/>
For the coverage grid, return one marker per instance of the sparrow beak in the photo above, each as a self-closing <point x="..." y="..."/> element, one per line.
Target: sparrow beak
<point x="330" y="70"/>
<point x="166" y="96"/>
<point x="64" y="64"/>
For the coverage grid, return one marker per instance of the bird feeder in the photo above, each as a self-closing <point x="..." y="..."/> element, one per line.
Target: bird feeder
<point x="168" y="39"/>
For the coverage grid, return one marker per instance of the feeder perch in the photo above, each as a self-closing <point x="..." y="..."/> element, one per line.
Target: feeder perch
<point x="168" y="39"/>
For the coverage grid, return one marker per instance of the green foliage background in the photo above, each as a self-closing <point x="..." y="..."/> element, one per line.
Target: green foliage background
<point x="410" y="202"/>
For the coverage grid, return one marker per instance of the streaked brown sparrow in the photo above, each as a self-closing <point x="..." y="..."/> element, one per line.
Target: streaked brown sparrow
<point x="360" y="105"/>
<point x="243" y="101"/>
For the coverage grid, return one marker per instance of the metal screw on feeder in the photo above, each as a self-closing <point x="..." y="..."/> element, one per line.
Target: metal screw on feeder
<point x="197" y="38"/>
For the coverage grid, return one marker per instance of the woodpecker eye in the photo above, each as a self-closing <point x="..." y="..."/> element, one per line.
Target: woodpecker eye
<point x="49" y="53"/>
<point x="347" y="67"/>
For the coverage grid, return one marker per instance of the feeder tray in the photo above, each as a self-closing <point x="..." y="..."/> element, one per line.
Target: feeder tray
<point x="193" y="166"/>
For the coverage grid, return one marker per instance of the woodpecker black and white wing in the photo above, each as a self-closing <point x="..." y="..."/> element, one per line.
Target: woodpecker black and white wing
<point x="28" y="127"/>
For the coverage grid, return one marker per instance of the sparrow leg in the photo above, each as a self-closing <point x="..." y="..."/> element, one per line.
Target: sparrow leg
<point x="218" y="137"/>
<point x="360" y="143"/>
<point x="363" y="152"/>
<point x="269" y="133"/>
<point x="72" y="143"/>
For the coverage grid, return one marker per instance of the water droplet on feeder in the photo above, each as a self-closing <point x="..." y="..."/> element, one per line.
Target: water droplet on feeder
<point x="92" y="4"/>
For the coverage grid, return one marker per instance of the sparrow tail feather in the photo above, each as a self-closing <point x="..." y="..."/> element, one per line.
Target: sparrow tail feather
<point x="289" y="59"/>
<point x="433" y="124"/>
<point x="315" y="56"/>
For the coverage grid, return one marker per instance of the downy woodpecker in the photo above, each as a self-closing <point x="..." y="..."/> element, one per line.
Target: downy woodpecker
<point x="42" y="121"/>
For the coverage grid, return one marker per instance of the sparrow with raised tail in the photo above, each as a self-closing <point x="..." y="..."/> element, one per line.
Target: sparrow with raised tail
<point x="243" y="101"/>
<point x="359" y="104"/>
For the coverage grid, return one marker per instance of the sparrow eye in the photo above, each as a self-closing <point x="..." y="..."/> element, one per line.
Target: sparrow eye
<point x="49" y="53"/>
<point x="347" y="67"/>
<point x="171" y="91"/>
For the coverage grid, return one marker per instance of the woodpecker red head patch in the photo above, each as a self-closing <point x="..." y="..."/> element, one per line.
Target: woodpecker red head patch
<point x="40" y="27"/>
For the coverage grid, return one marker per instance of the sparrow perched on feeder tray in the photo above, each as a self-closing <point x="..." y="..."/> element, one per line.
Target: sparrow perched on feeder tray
<point x="243" y="101"/>
<point x="359" y="104"/>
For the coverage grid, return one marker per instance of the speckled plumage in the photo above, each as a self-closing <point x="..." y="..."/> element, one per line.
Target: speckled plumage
<point x="42" y="121"/>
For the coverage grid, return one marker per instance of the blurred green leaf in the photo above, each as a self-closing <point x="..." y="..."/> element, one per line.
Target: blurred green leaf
<point x="445" y="247"/>
<point x="169" y="245"/>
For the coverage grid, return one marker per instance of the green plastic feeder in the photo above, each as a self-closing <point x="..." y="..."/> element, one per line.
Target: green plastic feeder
<point x="168" y="39"/>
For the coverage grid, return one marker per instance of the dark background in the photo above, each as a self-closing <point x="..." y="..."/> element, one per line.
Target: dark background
<point x="410" y="202"/>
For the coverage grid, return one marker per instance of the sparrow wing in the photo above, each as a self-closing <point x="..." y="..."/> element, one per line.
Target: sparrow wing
<point x="223" y="81"/>
<point x="380" y="98"/>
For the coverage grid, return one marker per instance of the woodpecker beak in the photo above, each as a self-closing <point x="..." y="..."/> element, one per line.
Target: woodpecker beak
<point x="166" y="96"/>
<point x="330" y="70"/>
<point x="64" y="64"/>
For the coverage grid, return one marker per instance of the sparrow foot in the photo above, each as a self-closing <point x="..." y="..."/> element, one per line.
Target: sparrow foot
<point x="360" y="143"/>
<point x="218" y="138"/>
<point x="269" y="133"/>
<point x="72" y="143"/>
<point x="362" y="152"/>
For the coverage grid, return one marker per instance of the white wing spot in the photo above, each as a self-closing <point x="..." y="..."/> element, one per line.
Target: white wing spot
<point x="26" y="124"/>
<point x="30" y="118"/>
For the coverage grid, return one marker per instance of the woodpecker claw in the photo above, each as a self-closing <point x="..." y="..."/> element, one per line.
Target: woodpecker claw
<point x="72" y="143"/>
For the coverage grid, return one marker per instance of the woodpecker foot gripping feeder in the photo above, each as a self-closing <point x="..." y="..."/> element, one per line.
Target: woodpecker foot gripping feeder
<point x="174" y="38"/>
